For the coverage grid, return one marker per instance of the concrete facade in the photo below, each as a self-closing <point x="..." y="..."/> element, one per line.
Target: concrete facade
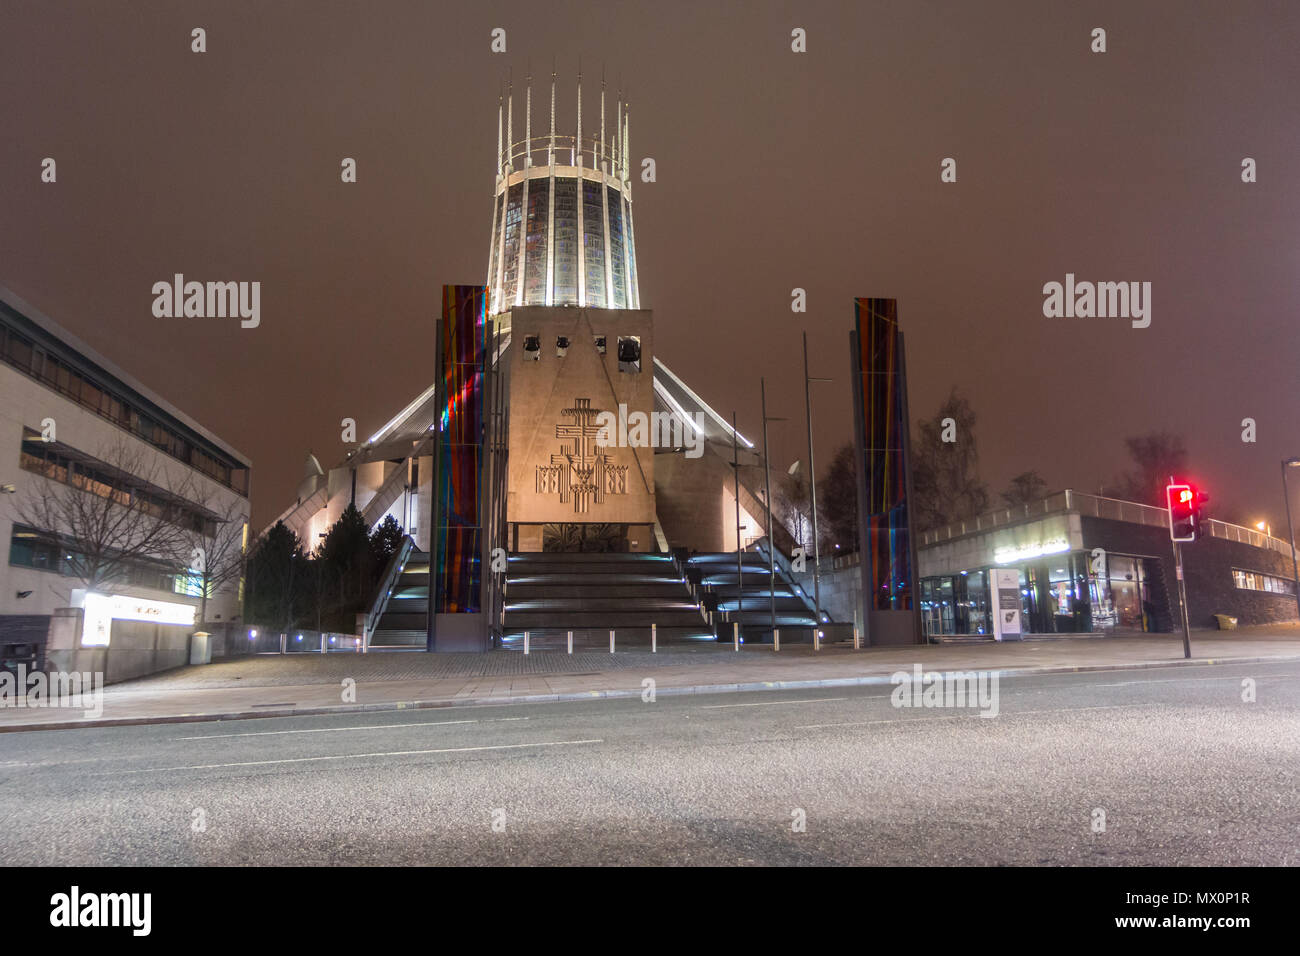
<point x="553" y="399"/>
<point x="37" y="392"/>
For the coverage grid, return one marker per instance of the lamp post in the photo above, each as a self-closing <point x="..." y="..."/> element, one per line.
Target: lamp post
<point x="812" y="485"/>
<point x="1290" y="529"/>
<point x="740" y="571"/>
<point x="767" y="493"/>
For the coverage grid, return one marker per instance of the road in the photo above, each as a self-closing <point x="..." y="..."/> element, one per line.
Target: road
<point x="1184" y="770"/>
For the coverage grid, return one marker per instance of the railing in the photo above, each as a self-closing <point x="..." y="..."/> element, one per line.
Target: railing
<point x="396" y="564"/>
<point x="785" y="572"/>
<point x="1093" y="506"/>
<point x="565" y="153"/>
<point x="1233" y="532"/>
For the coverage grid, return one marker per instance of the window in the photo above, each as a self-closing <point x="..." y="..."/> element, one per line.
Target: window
<point x="18" y="351"/>
<point x="1258" y="581"/>
<point x="96" y="394"/>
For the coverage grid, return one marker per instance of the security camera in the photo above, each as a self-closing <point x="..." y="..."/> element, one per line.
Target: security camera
<point x="23" y="594"/>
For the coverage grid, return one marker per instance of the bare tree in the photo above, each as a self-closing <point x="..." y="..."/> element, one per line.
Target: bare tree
<point x="945" y="467"/>
<point x="212" y="544"/>
<point x="110" y="514"/>
<point x="791" y="502"/>
<point x="839" y="491"/>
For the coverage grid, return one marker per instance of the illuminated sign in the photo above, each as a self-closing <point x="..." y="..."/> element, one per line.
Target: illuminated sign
<point x="1035" y="550"/>
<point x="101" y="610"/>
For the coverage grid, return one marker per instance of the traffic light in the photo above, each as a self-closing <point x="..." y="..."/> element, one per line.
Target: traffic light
<point x="1185" y="502"/>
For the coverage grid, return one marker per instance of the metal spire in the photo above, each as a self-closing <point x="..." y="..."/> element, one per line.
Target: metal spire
<point x="500" y="107"/>
<point x="510" y="124"/>
<point x="550" y="155"/>
<point x="528" y="124"/>
<point x="618" y="133"/>
<point x="578" y="142"/>
<point x="600" y="164"/>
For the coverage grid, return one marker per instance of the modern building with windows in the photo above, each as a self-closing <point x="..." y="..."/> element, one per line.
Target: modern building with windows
<point x="1088" y="564"/>
<point x="113" y="499"/>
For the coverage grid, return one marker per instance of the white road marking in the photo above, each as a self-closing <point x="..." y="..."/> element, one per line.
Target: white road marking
<point x="330" y="730"/>
<point x="1187" y="680"/>
<point x="389" y="753"/>
<point x="770" y="703"/>
<point x="973" y="712"/>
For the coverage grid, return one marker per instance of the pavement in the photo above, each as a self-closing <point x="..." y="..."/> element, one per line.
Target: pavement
<point x="1161" y="766"/>
<point x="312" y="684"/>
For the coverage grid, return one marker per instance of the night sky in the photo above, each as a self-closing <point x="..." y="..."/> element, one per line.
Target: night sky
<point x="775" y="170"/>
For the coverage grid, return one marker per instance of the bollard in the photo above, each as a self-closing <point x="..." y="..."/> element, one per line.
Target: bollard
<point x="570" y="642"/>
<point x="735" y="635"/>
<point x="283" y="638"/>
<point x="525" y="642"/>
<point x="654" y="638"/>
<point x="611" y="640"/>
<point x="817" y="638"/>
<point x="322" y="642"/>
<point x="776" y="639"/>
<point x="856" y="644"/>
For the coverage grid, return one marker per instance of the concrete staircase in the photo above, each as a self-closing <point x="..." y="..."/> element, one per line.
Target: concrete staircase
<point x="405" y="620"/>
<point x="549" y="594"/>
<point x="751" y="604"/>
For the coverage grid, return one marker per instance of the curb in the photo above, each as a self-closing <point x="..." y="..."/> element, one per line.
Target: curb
<point x="679" y="691"/>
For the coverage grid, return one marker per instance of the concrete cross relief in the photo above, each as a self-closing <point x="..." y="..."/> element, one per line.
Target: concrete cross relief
<point x="582" y="471"/>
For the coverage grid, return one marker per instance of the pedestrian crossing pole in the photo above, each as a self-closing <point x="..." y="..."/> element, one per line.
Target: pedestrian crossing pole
<point x="1182" y="600"/>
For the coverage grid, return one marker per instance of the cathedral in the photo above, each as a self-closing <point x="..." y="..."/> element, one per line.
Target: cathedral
<point x="522" y="454"/>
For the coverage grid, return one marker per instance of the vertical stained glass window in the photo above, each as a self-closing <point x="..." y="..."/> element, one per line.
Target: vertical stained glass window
<point x="566" y="242"/>
<point x="593" y="226"/>
<point x="457" y="572"/>
<point x="514" y="216"/>
<point x="616" y="248"/>
<point x="635" y="303"/>
<point x="539" y="195"/>
<point x="888" y="528"/>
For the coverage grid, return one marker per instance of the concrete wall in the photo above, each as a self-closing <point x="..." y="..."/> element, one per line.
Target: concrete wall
<point x="696" y="500"/>
<point x="541" y="391"/>
<point x="841" y="590"/>
<point x="1208" y="565"/>
<point x="135" y="648"/>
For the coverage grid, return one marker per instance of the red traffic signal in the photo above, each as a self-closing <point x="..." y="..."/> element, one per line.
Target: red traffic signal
<point x="1184" y="502"/>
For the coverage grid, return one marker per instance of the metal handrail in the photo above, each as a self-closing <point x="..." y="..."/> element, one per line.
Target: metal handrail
<point x="396" y="564"/>
<point x="513" y="156"/>
<point x="1097" y="506"/>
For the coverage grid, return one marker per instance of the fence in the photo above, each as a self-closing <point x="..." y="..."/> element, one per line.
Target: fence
<point x="264" y="641"/>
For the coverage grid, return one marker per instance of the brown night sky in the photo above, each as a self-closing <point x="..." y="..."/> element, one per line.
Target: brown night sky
<point x="775" y="170"/>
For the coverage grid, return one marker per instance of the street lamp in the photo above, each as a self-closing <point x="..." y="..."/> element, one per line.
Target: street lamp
<point x="812" y="485"/>
<point x="767" y="493"/>
<point x="1290" y="528"/>
<point x="1265" y="527"/>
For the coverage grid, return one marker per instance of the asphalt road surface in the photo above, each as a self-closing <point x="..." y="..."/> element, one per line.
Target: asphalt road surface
<point x="1184" y="770"/>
